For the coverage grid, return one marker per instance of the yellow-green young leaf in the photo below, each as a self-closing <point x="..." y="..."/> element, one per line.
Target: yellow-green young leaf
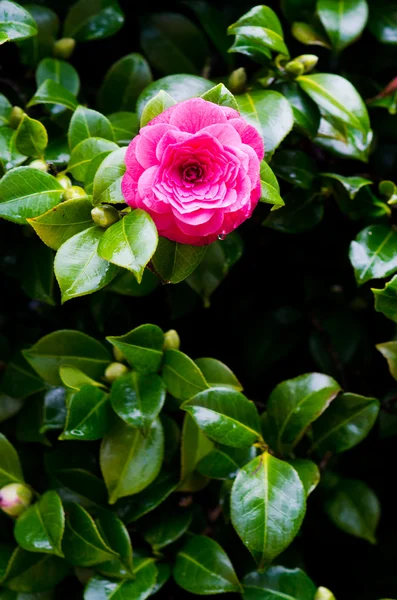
<point x="40" y="528"/>
<point x="269" y="186"/>
<point x="63" y="222"/>
<point x="51" y="92"/>
<point x="84" y="152"/>
<point x="389" y="352"/>
<point x="129" y="460"/>
<point x="278" y="583"/>
<point x="325" y="594"/>
<point x="194" y="446"/>
<point x="123" y="83"/>
<point x="10" y="467"/>
<point x="220" y="95"/>
<point x="261" y="28"/>
<point x="182" y="376"/>
<point x="156" y="106"/>
<point x="142" y="347"/>
<point x="26" y="192"/>
<point x="203" y="567"/>
<point x="343" y="21"/>
<point x="373" y="253"/>
<point x="130" y="243"/>
<point x="73" y="378"/>
<point x="93" y="20"/>
<point x="108" y="177"/>
<point x="87" y="123"/>
<point x="59" y="71"/>
<point x="268" y="503"/>
<point x="78" y="267"/>
<point x="174" y="262"/>
<point x="309" y="35"/>
<point x="16" y="23"/>
<point x="31" y="137"/>
<point x="141" y="587"/>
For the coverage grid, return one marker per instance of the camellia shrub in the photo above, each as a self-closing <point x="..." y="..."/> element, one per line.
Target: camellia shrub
<point x="198" y="179"/>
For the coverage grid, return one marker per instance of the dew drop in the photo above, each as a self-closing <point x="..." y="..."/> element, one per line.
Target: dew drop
<point x="222" y="236"/>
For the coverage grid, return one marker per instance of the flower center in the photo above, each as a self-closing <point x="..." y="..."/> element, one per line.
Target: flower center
<point x="192" y="173"/>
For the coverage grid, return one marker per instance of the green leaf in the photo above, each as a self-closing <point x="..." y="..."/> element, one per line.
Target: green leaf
<point x="123" y="83"/>
<point x="173" y="44"/>
<point x="5" y="110"/>
<point x="78" y="267"/>
<point x="116" y="535"/>
<point x="129" y="460"/>
<point x="30" y="572"/>
<point x="130" y="243"/>
<point x="173" y="262"/>
<point x="203" y="567"/>
<point x="336" y="97"/>
<point x="166" y="527"/>
<point x="382" y="21"/>
<point x="62" y="222"/>
<point x="88" y="416"/>
<point x="225" y="416"/>
<point x="389" y="352"/>
<point x="29" y="422"/>
<point x="87" y="123"/>
<point x="75" y="379"/>
<point x="40" y="528"/>
<point x="373" y="253"/>
<point x="342" y="140"/>
<point x="19" y="380"/>
<point x="269" y="186"/>
<point x="67" y="347"/>
<point x="140" y="588"/>
<point x="81" y="486"/>
<point x="270" y="113"/>
<point x="308" y="472"/>
<point x="220" y="95"/>
<point x="302" y="211"/>
<point x="345" y="424"/>
<point x="16" y="23"/>
<point x="10" y="467"/>
<point x="296" y="167"/>
<point x="268" y="503"/>
<point x="150" y="498"/>
<point x="261" y="28"/>
<point x="31" y="137"/>
<point x="343" y="21"/>
<point x="126" y="284"/>
<point x="93" y="20"/>
<point x="352" y="185"/>
<point x="294" y="404"/>
<point x="51" y="92"/>
<point x="216" y="373"/>
<point x="38" y="273"/>
<point x="26" y="192"/>
<point x="179" y="87"/>
<point x="138" y="398"/>
<point x="354" y="508"/>
<point x="125" y="126"/>
<point x="156" y="106"/>
<point x="39" y="46"/>
<point x="108" y="177"/>
<point x="309" y="35"/>
<point x="9" y="155"/>
<point x="386" y="299"/>
<point x="224" y="461"/>
<point x="84" y="152"/>
<point x="82" y="543"/>
<point x="305" y="111"/>
<point x="181" y="375"/>
<point x="54" y="413"/>
<point x="194" y="446"/>
<point x="59" y="71"/>
<point x="277" y="583"/>
<point x="142" y="347"/>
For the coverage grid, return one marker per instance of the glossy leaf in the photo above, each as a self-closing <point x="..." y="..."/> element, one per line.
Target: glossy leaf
<point x="194" y="446"/>
<point x="89" y="414"/>
<point x="10" y="467"/>
<point x="352" y="185"/>
<point x="343" y="141"/>
<point x="54" y="413"/>
<point x="268" y="503"/>
<point x="130" y="243"/>
<point x="5" y="110"/>
<point x="224" y="462"/>
<point x="278" y="582"/>
<point x="51" y="92"/>
<point x="269" y="186"/>
<point x="296" y="167"/>
<point x="67" y="347"/>
<point x="30" y="572"/>
<point x="354" y="508"/>
<point x="16" y="23"/>
<point x="305" y="110"/>
<point x="203" y="567"/>
<point x="346" y="423"/>
<point x="40" y="528"/>
<point x="75" y="379"/>
<point x="123" y="83"/>
<point x="150" y="498"/>
<point x="107" y="180"/>
<point x="59" y="71"/>
<point x="117" y="537"/>
<point x="174" y="262"/>
<point x="343" y="21"/>
<point x="225" y="416"/>
<point x="84" y="152"/>
<point x="26" y="192"/>
<point x="19" y="380"/>
<point x="181" y="375"/>
<point x="373" y="253"/>
<point x="125" y="126"/>
<point x="179" y="87"/>
<point x="382" y="21"/>
<point x="142" y="347"/>
<point x="35" y="48"/>
<point x="270" y="113"/>
<point x="167" y="527"/>
<point x="138" y="398"/>
<point x="129" y="460"/>
<point x="308" y="472"/>
<point x="87" y="123"/>
<point x="309" y="35"/>
<point x="221" y="95"/>
<point x="126" y="284"/>
<point x="156" y="106"/>
<point x="140" y="588"/>
<point x="262" y="28"/>
<point x="9" y="155"/>
<point x="386" y="299"/>
<point x="31" y="137"/>
<point x="93" y="20"/>
<point x="62" y="222"/>
<point x="78" y="267"/>
<point x="294" y="404"/>
<point x="216" y="373"/>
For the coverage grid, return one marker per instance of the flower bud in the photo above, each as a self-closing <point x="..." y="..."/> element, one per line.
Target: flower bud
<point x="64" y="47"/>
<point x="64" y="180"/>
<point x="114" y="371"/>
<point x="324" y="594"/>
<point x="295" y="68"/>
<point x="15" y="498"/>
<point x="39" y="164"/>
<point x="309" y="61"/>
<point x="105" y="215"/>
<point x="16" y="116"/>
<point x="171" y="340"/>
<point x="74" y="191"/>
<point x="237" y="81"/>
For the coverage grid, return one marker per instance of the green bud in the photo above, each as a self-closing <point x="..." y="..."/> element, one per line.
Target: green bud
<point x="295" y="68"/>
<point x="15" y="498"/>
<point x="39" y="164"/>
<point x="324" y="594"/>
<point x="309" y="61"/>
<point x="118" y="355"/>
<point x="114" y="371"/>
<point x="16" y="117"/>
<point x="171" y="340"/>
<point x="237" y="81"/>
<point x="105" y="215"/>
<point x="74" y="191"/>
<point x="64" y="180"/>
<point x="64" y="47"/>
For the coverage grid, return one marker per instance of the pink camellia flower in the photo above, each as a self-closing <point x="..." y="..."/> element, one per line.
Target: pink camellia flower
<point x="195" y="170"/>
